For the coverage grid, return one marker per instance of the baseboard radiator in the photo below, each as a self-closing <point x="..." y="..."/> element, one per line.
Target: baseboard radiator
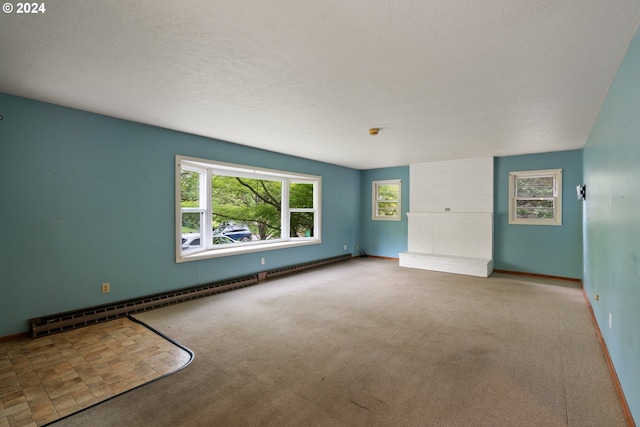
<point x="54" y="323"/>
<point x="304" y="266"/>
<point x="47" y="325"/>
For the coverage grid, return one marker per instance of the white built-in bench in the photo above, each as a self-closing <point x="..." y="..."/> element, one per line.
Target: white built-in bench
<point x="481" y="267"/>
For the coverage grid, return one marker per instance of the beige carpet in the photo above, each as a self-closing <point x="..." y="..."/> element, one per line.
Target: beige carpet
<point x="367" y="343"/>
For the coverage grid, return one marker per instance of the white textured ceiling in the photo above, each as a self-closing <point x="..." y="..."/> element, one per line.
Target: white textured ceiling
<point x="443" y="79"/>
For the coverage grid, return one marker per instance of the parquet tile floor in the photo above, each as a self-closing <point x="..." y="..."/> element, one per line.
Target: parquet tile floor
<point x="45" y="379"/>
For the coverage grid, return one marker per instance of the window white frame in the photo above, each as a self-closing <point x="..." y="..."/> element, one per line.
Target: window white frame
<point x="375" y="199"/>
<point x="556" y="174"/>
<point x="207" y="169"/>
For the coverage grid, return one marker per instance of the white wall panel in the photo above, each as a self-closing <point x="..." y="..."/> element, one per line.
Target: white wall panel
<point x="460" y="185"/>
<point x="457" y="234"/>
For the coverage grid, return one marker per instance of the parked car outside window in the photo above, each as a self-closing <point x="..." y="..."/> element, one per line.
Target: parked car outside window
<point x="192" y="240"/>
<point x="238" y="232"/>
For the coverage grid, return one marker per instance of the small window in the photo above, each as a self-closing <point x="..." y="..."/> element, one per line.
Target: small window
<point x="535" y="197"/>
<point x="386" y="198"/>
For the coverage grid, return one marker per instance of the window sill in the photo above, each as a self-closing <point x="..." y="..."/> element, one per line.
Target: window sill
<point x="534" y="222"/>
<point x="244" y="249"/>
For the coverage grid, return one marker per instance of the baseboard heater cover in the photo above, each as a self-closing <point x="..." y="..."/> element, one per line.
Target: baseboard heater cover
<point x="54" y="323"/>
<point x="305" y="266"/>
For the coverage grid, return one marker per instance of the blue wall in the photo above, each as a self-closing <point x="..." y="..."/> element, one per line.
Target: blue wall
<point x="612" y="225"/>
<point x="540" y="249"/>
<point x="88" y="199"/>
<point x="384" y="238"/>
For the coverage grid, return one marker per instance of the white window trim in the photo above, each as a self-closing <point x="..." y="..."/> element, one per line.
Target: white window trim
<point x="208" y="168"/>
<point x="374" y="201"/>
<point x="557" y="199"/>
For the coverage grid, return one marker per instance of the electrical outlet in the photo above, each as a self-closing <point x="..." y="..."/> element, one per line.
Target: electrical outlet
<point x="345" y="247"/>
<point x="262" y="261"/>
<point x="357" y="247"/>
<point x="106" y="288"/>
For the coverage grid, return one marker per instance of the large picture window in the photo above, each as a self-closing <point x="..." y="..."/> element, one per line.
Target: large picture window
<point x="535" y="197"/>
<point x="225" y="209"/>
